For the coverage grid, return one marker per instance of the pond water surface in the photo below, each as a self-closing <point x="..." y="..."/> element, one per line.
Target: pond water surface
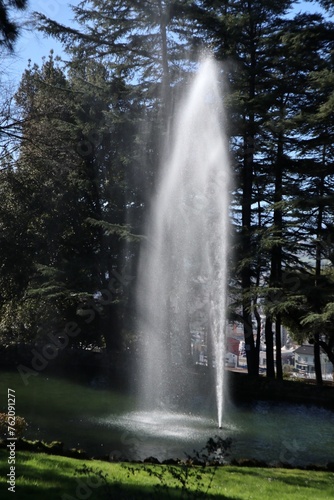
<point x="104" y="422"/>
<point x="274" y="432"/>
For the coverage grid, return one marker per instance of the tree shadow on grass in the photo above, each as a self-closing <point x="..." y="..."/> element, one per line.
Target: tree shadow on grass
<point x="319" y="480"/>
<point x="122" y="492"/>
<point x="44" y="478"/>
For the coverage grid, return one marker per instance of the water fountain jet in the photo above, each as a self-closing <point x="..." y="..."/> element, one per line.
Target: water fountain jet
<point x="183" y="269"/>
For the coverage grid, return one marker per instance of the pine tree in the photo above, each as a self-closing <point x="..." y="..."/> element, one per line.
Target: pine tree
<point x="289" y="88"/>
<point x="241" y="34"/>
<point x="53" y="195"/>
<point x="78" y="137"/>
<point x="139" y="41"/>
<point x="8" y="29"/>
<point x="141" y="45"/>
<point x="315" y="202"/>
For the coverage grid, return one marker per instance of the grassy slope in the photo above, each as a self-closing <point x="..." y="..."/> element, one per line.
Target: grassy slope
<point x="40" y="477"/>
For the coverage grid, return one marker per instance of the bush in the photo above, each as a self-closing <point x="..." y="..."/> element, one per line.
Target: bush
<point x="20" y="425"/>
<point x="287" y="371"/>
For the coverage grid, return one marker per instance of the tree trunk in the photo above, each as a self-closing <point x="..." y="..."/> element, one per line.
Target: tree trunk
<point x="276" y="260"/>
<point x="258" y="336"/>
<point x="279" y="369"/>
<point x="111" y="327"/>
<point x="166" y="98"/>
<point x="247" y="180"/>
<point x="269" y="348"/>
<point x="247" y="198"/>
<point x="317" y="362"/>
<point x="328" y="351"/>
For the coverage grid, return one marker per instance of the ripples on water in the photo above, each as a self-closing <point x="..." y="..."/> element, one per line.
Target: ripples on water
<point x="274" y="432"/>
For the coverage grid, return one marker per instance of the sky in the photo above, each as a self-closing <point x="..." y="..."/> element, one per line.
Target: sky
<point x="34" y="46"/>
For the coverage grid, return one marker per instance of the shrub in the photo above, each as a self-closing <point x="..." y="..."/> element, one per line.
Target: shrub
<point x="20" y="425"/>
<point x="192" y="478"/>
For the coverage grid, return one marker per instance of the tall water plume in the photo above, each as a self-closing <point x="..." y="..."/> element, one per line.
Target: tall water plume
<point x="183" y="269"/>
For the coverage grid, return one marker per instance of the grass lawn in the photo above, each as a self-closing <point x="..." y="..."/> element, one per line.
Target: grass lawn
<point x="40" y="477"/>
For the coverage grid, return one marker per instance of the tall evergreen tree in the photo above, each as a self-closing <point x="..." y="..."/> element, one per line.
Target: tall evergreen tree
<point x="315" y="202"/>
<point x="142" y="44"/>
<point x="53" y="193"/>
<point x="140" y="41"/>
<point x="289" y="95"/>
<point x="240" y="34"/>
<point x="72" y="171"/>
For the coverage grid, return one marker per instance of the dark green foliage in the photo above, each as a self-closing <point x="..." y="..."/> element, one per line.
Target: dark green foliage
<point x="69" y="185"/>
<point x="90" y="137"/>
<point x="9" y="30"/>
<point x="327" y="4"/>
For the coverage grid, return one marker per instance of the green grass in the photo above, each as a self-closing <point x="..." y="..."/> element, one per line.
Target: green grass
<point x="40" y="477"/>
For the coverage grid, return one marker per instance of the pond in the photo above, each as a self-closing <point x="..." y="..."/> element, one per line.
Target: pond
<point x="274" y="432"/>
<point x="106" y="423"/>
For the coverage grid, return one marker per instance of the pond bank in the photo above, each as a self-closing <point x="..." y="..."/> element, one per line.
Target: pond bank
<point x="242" y="388"/>
<point x="57" y="448"/>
